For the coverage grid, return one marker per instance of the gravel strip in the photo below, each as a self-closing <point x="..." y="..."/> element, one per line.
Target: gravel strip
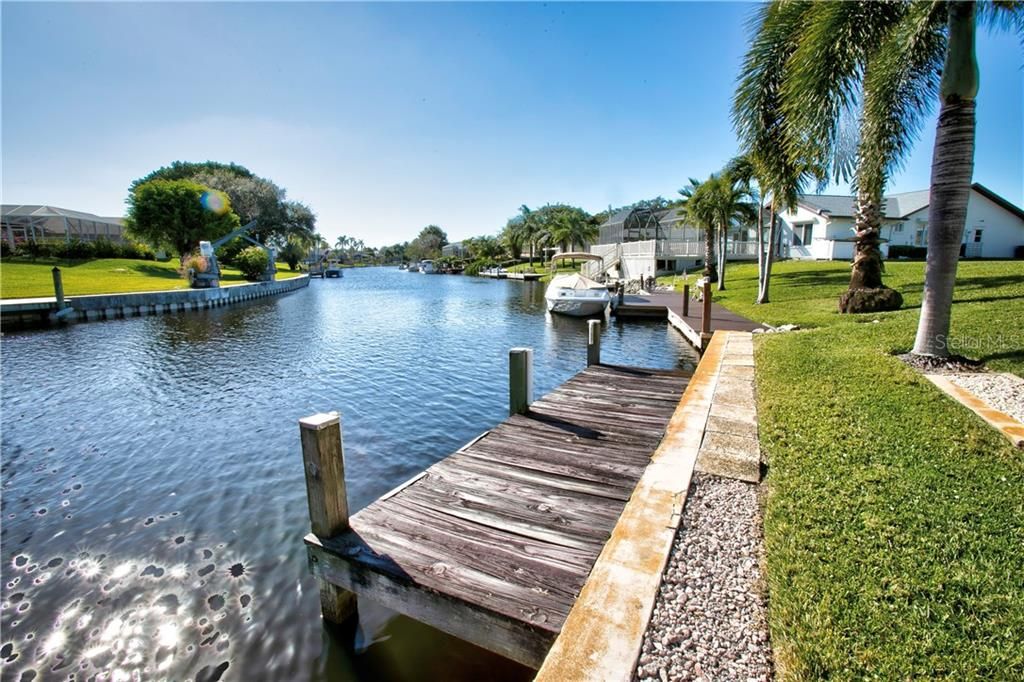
<point x="1001" y="391"/>
<point x="709" y="617"/>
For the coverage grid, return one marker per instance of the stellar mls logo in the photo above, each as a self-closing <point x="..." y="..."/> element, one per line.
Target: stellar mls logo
<point x="983" y="342"/>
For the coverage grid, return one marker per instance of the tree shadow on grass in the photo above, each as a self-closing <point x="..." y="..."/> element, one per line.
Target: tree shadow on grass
<point x="813" y="279"/>
<point x="1016" y="355"/>
<point x="156" y="271"/>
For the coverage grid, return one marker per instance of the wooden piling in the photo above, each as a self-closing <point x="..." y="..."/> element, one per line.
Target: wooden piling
<point x="705" y="315"/>
<point x="686" y="300"/>
<point x="593" y="342"/>
<point x="58" y="288"/>
<point x="520" y="380"/>
<point x="323" y="458"/>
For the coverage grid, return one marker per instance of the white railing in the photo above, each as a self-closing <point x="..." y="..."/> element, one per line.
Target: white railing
<point x="742" y="249"/>
<point x="674" y="249"/>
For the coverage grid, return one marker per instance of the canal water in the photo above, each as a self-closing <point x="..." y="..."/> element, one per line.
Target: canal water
<point x="153" y="499"/>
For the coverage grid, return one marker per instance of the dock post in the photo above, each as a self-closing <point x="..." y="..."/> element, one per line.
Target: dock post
<point x="705" y="316"/>
<point x="520" y="380"/>
<point x="593" y="342"/>
<point x="323" y="458"/>
<point x="58" y="288"/>
<point x="686" y="300"/>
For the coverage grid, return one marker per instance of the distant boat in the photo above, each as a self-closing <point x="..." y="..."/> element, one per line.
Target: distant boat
<point x="413" y="267"/>
<point x="427" y="267"/>
<point x="577" y="296"/>
<point x="333" y="269"/>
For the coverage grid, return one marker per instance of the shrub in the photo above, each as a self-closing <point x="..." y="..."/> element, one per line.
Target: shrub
<point x="33" y="249"/>
<point x="104" y="248"/>
<point x="5" y="249"/>
<point x="194" y="262"/>
<point x="73" y="250"/>
<point x="136" y="251"/>
<point x="1018" y="252"/>
<point x="253" y="262"/>
<point x="907" y="251"/>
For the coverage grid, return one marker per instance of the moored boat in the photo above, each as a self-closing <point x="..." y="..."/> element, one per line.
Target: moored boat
<point x="577" y="296"/>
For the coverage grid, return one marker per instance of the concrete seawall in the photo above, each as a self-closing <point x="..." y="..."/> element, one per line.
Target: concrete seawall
<point x="43" y="311"/>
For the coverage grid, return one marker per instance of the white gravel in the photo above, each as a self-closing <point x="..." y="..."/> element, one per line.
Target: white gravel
<point x="1003" y="392"/>
<point x="709" y="617"/>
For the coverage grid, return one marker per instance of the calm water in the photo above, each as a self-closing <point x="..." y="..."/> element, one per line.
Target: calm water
<point x="153" y="500"/>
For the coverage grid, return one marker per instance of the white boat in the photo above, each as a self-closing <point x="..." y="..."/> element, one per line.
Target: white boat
<point x="413" y="267"/>
<point x="577" y="296"/>
<point x="427" y="267"/>
<point x="333" y="269"/>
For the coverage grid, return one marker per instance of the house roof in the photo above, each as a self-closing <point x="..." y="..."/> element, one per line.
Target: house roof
<point x="896" y="205"/>
<point x="38" y="211"/>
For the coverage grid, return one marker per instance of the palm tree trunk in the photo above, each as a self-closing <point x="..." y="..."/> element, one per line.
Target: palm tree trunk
<point x="867" y="256"/>
<point x="709" y="253"/>
<point x="952" y="169"/>
<point x="762" y="296"/>
<point x="722" y="245"/>
<point x="760" y="243"/>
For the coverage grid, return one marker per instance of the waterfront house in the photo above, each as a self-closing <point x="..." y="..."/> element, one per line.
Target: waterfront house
<point x="21" y="223"/>
<point x="642" y="242"/>
<point x="821" y="226"/>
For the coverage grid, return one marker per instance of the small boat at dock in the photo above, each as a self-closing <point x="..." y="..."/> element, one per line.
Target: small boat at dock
<point x="574" y="294"/>
<point x="577" y="296"/>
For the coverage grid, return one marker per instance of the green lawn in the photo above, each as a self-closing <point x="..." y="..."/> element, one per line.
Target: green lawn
<point x="564" y="268"/>
<point x="23" y="279"/>
<point x="988" y="310"/>
<point x="894" y="518"/>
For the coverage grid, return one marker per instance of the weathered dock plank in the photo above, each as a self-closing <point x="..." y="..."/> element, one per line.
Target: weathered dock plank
<point x="494" y="543"/>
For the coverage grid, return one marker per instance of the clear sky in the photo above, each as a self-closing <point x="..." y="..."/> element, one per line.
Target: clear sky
<point x="387" y="117"/>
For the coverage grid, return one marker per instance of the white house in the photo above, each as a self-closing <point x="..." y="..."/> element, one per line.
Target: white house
<point x="821" y="227"/>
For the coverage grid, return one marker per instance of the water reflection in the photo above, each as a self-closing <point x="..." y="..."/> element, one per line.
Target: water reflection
<point x="152" y="493"/>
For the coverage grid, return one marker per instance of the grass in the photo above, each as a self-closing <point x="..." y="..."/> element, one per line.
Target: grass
<point x="987" y="319"/>
<point x="545" y="269"/>
<point x="894" y="518"/>
<point x="25" y="279"/>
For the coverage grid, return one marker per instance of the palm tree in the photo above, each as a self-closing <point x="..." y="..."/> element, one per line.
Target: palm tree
<point x="732" y="204"/>
<point x="888" y="63"/>
<point x="761" y="123"/>
<point x="512" y="237"/>
<point x="698" y="207"/>
<point x="530" y="229"/>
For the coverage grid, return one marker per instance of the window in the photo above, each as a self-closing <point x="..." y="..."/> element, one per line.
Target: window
<point x="977" y="236"/>
<point x="921" y="237"/>
<point x="897" y="227"/>
<point x="802" y="234"/>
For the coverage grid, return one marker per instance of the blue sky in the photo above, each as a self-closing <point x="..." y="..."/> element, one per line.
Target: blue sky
<point x="387" y="117"/>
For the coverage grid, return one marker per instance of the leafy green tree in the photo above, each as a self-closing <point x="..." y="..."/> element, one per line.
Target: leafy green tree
<point x="252" y="198"/>
<point x="428" y="243"/>
<point x="178" y="214"/>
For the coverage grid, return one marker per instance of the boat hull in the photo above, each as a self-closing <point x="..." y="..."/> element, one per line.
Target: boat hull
<point x="578" y="307"/>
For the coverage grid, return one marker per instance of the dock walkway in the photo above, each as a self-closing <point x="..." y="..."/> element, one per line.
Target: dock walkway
<point x="494" y="543"/>
<point x="670" y="306"/>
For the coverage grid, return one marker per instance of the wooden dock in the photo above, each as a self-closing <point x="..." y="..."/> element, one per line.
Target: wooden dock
<point x="688" y="318"/>
<point x="494" y="543"/>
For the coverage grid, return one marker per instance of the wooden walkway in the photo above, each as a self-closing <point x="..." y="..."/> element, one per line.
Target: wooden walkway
<point x="670" y="306"/>
<point x="494" y="543"/>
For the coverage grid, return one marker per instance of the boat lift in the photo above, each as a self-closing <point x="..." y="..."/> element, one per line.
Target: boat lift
<point x="211" y="278"/>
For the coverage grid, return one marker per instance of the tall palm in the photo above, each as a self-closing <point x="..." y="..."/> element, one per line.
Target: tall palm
<point x="761" y="123"/>
<point x="732" y="204"/>
<point x="512" y="237"/>
<point x="530" y="229"/>
<point x="698" y="207"/>
<point x="888" y="63"/>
